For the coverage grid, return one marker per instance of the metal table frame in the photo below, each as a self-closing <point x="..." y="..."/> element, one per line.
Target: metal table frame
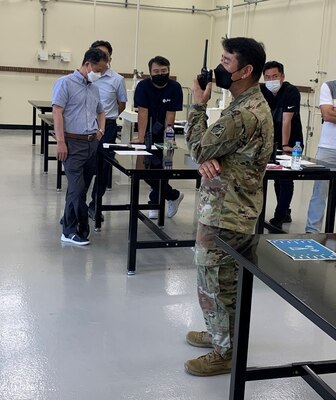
<point x="329" y="174"/>
<point x="47" y="132"/>
<point x="43" y="106"/>
<point x="241" y="374"/>
<point x="135" y="208"/>
<point x="47" y="126"/>
<point x="165" y="241"/>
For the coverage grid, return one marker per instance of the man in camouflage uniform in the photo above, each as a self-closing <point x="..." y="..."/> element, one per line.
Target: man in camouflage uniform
<point x="233" y="153"/>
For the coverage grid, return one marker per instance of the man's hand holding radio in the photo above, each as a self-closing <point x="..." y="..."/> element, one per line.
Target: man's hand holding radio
<point x="202" y="85"/>
<point x="201" y="97"/>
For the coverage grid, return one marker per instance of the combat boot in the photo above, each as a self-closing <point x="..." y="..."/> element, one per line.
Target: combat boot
<point x="199" y="339"/>
<point x="209" y="365"/>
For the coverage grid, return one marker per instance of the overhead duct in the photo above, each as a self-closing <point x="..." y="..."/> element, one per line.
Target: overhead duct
<point x="193" y="9"/>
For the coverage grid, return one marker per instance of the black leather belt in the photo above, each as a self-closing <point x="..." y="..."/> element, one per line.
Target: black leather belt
<point x="88" y="138"/>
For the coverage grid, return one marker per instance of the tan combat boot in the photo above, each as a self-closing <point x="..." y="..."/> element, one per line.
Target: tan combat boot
<point x="208" y="365"/>
<point x="199" y="339"/>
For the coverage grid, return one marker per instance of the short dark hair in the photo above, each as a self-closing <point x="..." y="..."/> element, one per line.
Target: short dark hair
<point x="94" y="56"/>
<point x="248" y="51"/>
<point x="273" y="64"/>
<point x="158" y="60"/>
<point x="103" y="43"/>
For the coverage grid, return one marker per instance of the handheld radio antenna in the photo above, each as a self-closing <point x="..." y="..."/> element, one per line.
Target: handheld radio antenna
<point x="205" y="54"/>
<point x="206" y="75"/>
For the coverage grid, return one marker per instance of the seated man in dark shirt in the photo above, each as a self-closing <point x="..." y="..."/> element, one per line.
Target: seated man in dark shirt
<point x="157" y="99"/>
<point x="284" y="101"/>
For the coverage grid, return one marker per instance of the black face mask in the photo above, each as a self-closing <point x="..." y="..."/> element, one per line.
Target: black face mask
<point x="223" y="77"/>
<point x="160" y="80"/>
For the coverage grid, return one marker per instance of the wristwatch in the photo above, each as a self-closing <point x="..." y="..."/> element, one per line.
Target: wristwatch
<point x="101" y="131"/>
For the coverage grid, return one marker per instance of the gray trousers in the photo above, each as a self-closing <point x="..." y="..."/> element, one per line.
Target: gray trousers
<point x="79" y="168"/>
<point x="318" y="200"/>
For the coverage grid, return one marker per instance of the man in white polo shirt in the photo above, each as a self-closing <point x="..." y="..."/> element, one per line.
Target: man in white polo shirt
<point x="113" y="95"/>
<point x="326" y="152"/>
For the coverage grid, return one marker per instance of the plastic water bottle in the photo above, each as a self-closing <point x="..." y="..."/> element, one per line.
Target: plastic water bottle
<point x="296" y="156"/>
<point x="167" y="160"/>
<point x="169" y="137"/>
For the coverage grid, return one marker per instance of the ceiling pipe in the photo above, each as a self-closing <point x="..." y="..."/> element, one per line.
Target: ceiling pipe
<point x="246" y="3"/>
<point x="192" y="10"/>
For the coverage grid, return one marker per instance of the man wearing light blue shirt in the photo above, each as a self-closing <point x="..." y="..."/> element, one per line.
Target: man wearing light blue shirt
<point x="113" y="95"/>
<point x="79" y="124"/>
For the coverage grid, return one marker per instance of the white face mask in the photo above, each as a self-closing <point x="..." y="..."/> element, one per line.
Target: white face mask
<point x="93" y="76"/>
<point x="273" y="86"/>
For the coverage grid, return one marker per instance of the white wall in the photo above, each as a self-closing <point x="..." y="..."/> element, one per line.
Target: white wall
<point x="74" y="26"/>
<point x="297" y="33"/>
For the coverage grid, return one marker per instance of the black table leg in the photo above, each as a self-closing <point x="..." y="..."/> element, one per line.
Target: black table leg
<point x="261" y="220"/>
<point x="34" y="127"/>
<point x="331" y="205"/>
<point x="109" y="180"/>
<point x="133" y="225"/>
<point x="162" y="189"/>
<point x="241" y="334"/>
<point x="43" y="138"/>
<point x="99" y="197"/>
<point x="45" y="135"/>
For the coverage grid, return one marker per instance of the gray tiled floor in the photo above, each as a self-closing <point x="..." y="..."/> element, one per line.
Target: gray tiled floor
<point x="74" y="326"/>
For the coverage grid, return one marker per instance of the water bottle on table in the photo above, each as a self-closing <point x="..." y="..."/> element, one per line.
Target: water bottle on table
<point x="296" y="157"/>
<point x="169" y="137"/>
<point x="167" y="159"/>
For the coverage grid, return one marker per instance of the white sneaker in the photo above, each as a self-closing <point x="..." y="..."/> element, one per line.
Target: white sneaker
<point x="153" y="214"/>
<point x="173" y="205"/>
<point x="75" y="239"/>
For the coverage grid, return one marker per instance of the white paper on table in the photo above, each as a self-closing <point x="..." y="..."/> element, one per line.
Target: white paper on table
<point x="142" y="146"/>
<point x="305" y="162"/>
<point x="121" y="145"/>
<point x="285" y="163"/>
<point x="283" y="157"/>
<point x="132" y="153"/>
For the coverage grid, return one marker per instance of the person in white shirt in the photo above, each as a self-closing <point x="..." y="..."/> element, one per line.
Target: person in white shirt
<point x="113" y="95"/>
<point x="326" y="152"/>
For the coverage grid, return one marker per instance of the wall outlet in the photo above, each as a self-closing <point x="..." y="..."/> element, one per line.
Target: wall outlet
<point x="65" y="56"/>
<point x="42" y="55"/>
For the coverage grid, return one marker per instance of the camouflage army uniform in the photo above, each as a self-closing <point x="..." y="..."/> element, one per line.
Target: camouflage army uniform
<point x="241" y="140"/>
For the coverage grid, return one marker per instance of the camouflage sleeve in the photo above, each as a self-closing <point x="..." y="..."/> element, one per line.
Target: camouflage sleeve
<point x="225" y="136"/>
